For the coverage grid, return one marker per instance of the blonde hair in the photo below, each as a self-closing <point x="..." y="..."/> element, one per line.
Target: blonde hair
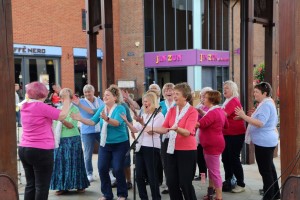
<point x="166" y="87"/>
<point x="66" y="90"/>
<point x="151" y="96"/>
<point x="116" y="92"/>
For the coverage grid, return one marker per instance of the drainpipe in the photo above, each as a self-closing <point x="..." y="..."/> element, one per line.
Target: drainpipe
<point x="232" y="40"/>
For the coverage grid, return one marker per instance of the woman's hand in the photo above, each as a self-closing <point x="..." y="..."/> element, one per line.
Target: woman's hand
<point x="76" y="116"/>
<point x="139" y="119"/>
<point x="173" y="128"/>
<point x="240" y="112"/>
<point x="123" y="116"/>
<point x="76" y="100"/>
<point x="104" y="116"/>
<point x="197" y="125"/>
<point x="250" y="112"/>
<point x="133" y="135"/>
<point x="149" y="130"/>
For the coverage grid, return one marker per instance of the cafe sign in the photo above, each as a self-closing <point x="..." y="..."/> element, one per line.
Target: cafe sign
<point x="191" y="57"/>
<point x="36" y="50"/>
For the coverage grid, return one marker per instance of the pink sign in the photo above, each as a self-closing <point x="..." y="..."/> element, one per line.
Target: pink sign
<point x="191" y="57"/>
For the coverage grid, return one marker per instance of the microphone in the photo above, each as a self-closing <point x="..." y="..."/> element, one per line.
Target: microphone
<point x="156" y="111"/>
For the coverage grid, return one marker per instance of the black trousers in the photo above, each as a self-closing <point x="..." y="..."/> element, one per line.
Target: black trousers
<point x="264" y="159"/>
<point x="38" y="167"/>
<point x="147" y="160"/>
<point x="181" y="168"/>
<point x="231" y="158"/>
<point x="201" y="161"/>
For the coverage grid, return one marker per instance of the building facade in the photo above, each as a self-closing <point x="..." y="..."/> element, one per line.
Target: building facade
<point x="196" y="41"/>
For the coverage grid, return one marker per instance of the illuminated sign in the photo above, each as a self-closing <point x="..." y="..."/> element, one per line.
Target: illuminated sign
<point x="28" y="50"/>
<point x="186" y="58"/>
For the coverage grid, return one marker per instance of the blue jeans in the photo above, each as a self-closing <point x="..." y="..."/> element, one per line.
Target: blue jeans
<point x="88" y="141"/>
<point x="113" y="155"/>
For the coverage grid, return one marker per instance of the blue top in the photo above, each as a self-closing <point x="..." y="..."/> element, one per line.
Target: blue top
<point x="164" y="108"/>
<point x="115" y="134"/>
<point x="267" y="135"/>
<point x="87" y="129"/>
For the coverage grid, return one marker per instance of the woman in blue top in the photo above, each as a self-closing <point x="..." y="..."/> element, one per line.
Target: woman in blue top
<point x="263" y="133"/>
<point x="113" y="142"/>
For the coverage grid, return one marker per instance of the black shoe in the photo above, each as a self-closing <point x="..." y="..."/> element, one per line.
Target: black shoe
<point x="129" y="185"/>
<point x="165" y="191"/>
<point x="227" y="187"/>
<point x="114" y="184"/>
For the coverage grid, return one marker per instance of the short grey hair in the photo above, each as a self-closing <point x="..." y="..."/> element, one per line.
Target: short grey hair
<point x="157" y="88"/>
<point x="233" y="87"/>
<point x="205" y="89"/>
<point x="88" y="87"/>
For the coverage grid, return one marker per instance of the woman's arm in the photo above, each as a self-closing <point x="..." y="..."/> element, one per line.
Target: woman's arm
<point x="255" y="122"/>
<point x="76" y="101"/>
<point x="85" y="121"/>
<point x="65" y="108"/>
<point x="159" y="130"/>
<point x="67" y="124"/>
<point x="130" y="126"/>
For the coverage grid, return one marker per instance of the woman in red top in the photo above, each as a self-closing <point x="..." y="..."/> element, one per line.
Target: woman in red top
<point x="234" y="140"/>
<point x="182" y="147"/>
<point x="212" y="141"/>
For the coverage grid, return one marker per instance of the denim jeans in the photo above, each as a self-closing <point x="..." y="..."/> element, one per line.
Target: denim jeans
<point x="113" y="155"/>
<point x="88" y="141"/>
<point x="38" y="167"/>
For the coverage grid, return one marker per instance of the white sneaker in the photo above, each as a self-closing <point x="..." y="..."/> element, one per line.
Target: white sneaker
<point x="91" y="178"/>
<point x="238" y="189"/>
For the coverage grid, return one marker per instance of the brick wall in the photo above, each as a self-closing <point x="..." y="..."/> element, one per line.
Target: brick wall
<point x="52" y="23"/>
<point x="132" y="42"/>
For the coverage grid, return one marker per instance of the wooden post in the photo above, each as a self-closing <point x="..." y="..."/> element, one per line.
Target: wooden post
<point x="93" y="25"/>
<point x="247" y="68"/>
<point x="109" y="43"/>
<point x="8" y="142"/>
<point x="289" y="84"/>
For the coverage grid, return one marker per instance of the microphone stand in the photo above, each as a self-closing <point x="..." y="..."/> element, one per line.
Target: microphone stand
<point x="132" y="147"/>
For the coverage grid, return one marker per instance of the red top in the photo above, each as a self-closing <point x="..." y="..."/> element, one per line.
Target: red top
<point x="211" y="126"/>
<point x="188" y="121"/>
<point x="236" y="127"/>
<point x="55" y="98"/>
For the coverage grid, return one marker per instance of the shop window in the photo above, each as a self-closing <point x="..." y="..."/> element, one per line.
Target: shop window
<point x="83" y="19"/>
<point x="80" y="75"/>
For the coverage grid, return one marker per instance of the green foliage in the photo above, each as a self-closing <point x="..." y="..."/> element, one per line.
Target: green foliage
<point x="259" y="73"/>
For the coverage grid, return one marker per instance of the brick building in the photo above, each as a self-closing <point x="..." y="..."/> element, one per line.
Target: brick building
<point x="51" y="43"/>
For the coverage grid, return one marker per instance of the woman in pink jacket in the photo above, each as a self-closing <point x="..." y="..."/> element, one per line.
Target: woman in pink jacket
<point x="212" y="141"/>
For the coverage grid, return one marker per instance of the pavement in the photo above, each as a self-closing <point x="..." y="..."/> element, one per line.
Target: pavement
<point x="253" y="183"/>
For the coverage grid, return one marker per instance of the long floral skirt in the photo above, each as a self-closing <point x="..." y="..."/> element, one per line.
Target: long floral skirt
<point x="69" y="169"/>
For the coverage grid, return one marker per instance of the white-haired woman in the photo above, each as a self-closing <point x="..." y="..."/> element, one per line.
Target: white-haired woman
<point x="88" y="106"/>
<point x="234" y="137"/>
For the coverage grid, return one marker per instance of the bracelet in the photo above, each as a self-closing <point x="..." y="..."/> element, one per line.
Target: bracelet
<point x="107" y="119"/>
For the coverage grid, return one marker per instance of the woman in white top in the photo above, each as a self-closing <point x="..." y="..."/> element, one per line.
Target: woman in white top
<point x="147" y="148"/>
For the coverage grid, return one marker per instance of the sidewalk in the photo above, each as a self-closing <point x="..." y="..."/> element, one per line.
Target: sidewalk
<point x="252" y="179"/>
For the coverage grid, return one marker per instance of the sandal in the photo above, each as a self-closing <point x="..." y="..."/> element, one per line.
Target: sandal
<point x="81" y="190"/>
<point x="121" y="198"/>
<point x="210" y="193"/>
<point x="102" y="198"/>
<point x="60" y="192"/>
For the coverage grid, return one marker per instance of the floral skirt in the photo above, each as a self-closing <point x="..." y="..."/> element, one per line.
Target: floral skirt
<point x="69" y="169"/>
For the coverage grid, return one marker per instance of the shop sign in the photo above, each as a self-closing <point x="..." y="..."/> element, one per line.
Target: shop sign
<point x="24" y="49"/>
<point x="212" y="58"/>
<point x="170" y="58"/>
<point x="191" y="57"/>
<point x="82" y="52"/>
